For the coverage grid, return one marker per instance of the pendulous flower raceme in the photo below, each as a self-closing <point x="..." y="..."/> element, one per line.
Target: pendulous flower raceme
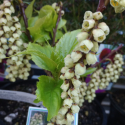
<point x="102" y="77"/>
<point x="119" y="5"/>
<point x="75" y="90"/>
<point x="11" y="43"/>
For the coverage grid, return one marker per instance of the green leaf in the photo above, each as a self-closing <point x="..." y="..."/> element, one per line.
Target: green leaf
<point x="66" y="44"/>
<point x="42" y="60"/>
<point x="65" y="29"/>
<point x="59" y="34"/>
<point x="32" y="21"/>
<point x="89" y="71"/>
<point x="24" y="38"/>
<point x="49" y="92"/>
<point x="44" y="25"/>
<point x="36" y="101"/>
<point x="29" y="10"/>
<point x="62" y="23"/>
<point x="47" y="50"/>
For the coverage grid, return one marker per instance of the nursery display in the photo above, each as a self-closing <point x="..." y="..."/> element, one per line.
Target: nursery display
<point x="66" y="57"/>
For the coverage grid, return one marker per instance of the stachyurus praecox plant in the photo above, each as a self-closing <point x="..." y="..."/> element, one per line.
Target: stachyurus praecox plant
<point x="74" y="88"/>
<point x="68" y="59"/>
<point x="11" y="43"/>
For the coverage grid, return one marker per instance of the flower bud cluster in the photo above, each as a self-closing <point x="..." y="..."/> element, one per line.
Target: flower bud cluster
<point x="36" y="119"/>
<point x="74" y="89"/>
<point x="11" y="43"/>
<point x="57" y="8"/>
<point x="119" y="5"/>
<point x="93" y="86"/>
<point x="101" y="78"/>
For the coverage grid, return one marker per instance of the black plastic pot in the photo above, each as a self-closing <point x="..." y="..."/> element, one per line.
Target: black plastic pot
<point x="9" y="85"/>
<point x="102" y="111"/>
<point x="97" y="107"/>
<point x="117" y="115"/>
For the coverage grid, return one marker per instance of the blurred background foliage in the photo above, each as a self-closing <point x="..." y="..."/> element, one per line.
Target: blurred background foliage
<point x="74" y="12"/>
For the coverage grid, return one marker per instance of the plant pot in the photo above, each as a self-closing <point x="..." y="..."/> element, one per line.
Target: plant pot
<point x="117" y="114"/>
<point x="17" y="101"/>
<point x="95" y="114"/>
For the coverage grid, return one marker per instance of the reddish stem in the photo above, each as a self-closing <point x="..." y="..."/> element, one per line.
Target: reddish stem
<point x="25" y="19"/>
<point x="102" y="5"/>
<point x="55" y="30"/>
<point x="114" y="51"/>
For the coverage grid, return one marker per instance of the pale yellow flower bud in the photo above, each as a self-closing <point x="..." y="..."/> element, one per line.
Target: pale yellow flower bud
<point x="7" y="3"/>
<point x="2" y="6"/>
<point x="12" y="29"/>
<point x="119" y="9"/>
<point x="1" y="13"/>
<point x="15" y="19"/>
<point x="64" y="95"/>
<point x="18" y="26"/>
<point x="7" y="11"/>
<point x="6" y="29"/>
<point x="91" y="58"/>
<point x="1" y="32"/>
<point x="82" y="36"/>
<point x="104" y="27"/>
<point x="2" y="56"/>
<point x="80" y="69"/>
<point x="11" y="40"/>
<point x="76" y="56"/>
<point x="70" y="117"/>
<point x="88" y="24"/>
<point x="19" y="32"/>
<point x="95" y="47"/>
<point x="97" y="15"/>
<point x="3" y="21"/>
<point x="65" y="86"/>
<point x="63" y="110"/>
<point x="68" y="102"/>
<point x="114" y="3"/>
<point x="64" y="69"/>
<point x="12" y="9"/>
<point x="5" y="47"/>
<point x="68" y="61"/>
<point x="76" y="83"/>
<point x="9" y="18"/>
<point x="69" y="74"/>
<point x="85" y="46"/>
<point x="88" y="15"/>
<point x="54" y="5"/>
<point x="99" y="35"/>
<point x="16" y="36"/>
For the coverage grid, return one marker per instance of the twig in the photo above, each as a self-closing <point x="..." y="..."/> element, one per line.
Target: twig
<point x="102" y="5"/>
<point x="114" y="51"/>
<point x="25" y="19"/>
<point x="55" y="30"/>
